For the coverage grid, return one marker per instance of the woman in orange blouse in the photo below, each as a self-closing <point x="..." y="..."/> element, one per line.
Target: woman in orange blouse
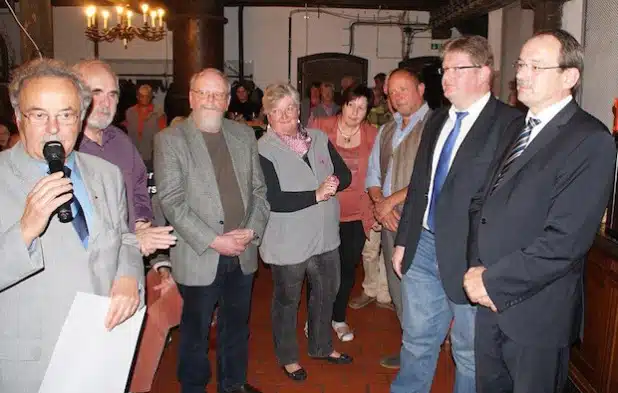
<point x="353" y="137"/>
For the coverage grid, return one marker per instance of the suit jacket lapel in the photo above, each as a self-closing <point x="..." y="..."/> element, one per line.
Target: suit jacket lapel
<point x="437" y="126"/>
<point x="95" y="190"/>
<point x="237" y="147"/>
<point x="475" y="138"/>
<point x="547" y="134"/>
<point x="201" y="158"/>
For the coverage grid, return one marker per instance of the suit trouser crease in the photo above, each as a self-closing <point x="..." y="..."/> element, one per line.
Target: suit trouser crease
<point x="374" y="282"/>
<point x="505" y="366"/>
<point x="353" y="239"/>
<point x="323" y="273"/>
<point x="394" y="283"/>
<point x="427" y="314"/>
<point x="231" y="289"/>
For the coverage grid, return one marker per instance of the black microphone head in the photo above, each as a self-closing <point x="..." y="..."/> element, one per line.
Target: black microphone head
<point x="54" y="151"/>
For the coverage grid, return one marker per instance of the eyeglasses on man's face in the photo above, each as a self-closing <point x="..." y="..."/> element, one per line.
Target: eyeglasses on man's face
<point x="205" y="94"/>
<point x="41" y="118"/>
<point x="456" y="70"/>
<point x="535" y="68"/>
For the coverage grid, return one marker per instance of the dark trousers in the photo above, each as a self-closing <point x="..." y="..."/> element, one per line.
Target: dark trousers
<point x="231" y="289"/>
<point x="323" y="275"/>
<point x="504" y="366"/>
<point x="353" y="239"/>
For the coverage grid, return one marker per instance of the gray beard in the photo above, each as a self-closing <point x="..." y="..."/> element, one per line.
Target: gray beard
<point x="99" y="124"/>
<point x="209" y="124"/>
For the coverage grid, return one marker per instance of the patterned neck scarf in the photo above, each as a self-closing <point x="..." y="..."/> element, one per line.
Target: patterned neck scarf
<point x="299" y="143"/>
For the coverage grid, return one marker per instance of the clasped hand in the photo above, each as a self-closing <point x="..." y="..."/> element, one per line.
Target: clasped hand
<point x="233" y="243"/>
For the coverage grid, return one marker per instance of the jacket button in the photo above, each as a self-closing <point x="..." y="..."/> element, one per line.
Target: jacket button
<point x="483" y="220"/>
<point x="221" y="222"/>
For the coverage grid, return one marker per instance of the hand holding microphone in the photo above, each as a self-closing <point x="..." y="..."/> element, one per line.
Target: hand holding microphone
<point x="47" y="196"/>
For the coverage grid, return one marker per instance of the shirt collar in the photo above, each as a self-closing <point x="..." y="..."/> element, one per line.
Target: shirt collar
<point x="473" y="110"/>
<point x="551" y="111"/>
<point x="414" y="118"/>
<point x="108" y="134"/>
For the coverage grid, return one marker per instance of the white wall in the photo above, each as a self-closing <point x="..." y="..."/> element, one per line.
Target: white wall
<point x="517" y="28"/>
<point x="265" y="35"/>
<point x="573" y="17"/>
<point x="266" y="38"/>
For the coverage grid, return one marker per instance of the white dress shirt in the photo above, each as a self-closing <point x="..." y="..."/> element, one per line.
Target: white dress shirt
<point x="466" y="124"/>
<point x="546" y="115"/>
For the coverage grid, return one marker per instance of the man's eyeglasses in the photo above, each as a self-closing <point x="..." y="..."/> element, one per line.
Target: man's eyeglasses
<point x="520" y="65"/>
<point x="203" y="94"/>
<point x="444" y="70"/>
<point x="41" y="118"/>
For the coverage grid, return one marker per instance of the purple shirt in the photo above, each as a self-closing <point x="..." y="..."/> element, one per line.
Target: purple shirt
<point x="119" y="149"/>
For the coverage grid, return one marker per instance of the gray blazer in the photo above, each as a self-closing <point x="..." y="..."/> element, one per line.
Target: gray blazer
<point x="190" y="199"/>
<point x="38" y="285"/>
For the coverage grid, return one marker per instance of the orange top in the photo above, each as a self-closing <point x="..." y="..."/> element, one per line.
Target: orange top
<point x="354" y="200"/>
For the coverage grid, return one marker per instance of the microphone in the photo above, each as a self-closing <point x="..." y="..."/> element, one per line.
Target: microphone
<point x="54" y="154"/>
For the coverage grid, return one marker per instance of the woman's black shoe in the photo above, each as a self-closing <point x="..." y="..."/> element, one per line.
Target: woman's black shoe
<point x="342" y="359"/>
<point x="298" y="375"/>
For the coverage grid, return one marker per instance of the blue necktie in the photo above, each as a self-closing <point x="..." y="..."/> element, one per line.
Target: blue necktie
<point x="79" y="218"/>
<point x="443" y="167"/>
<point x="517" y="150"/>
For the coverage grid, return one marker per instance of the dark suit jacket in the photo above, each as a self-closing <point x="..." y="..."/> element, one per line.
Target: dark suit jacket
<point x="467" y="173"/>
<point x="533" y="232"/>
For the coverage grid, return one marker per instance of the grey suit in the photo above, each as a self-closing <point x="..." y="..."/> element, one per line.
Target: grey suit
<point x="37" y="285"/>
<point x="190" y="199"/>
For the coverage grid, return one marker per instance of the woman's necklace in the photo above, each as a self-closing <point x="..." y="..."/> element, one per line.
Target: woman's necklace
<point x="347" y="138"/>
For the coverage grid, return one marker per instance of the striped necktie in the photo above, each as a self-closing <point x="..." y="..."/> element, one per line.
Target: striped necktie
<point x="517" y="150"/>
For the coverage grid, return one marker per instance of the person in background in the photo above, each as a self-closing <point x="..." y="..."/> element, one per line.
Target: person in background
<point x="45" y="262"/>
<point x="353" y="138"/>
<point x="241" y="108"/>
<point x="143" y="121"/>
<point x="303" y="172"/>
<point x="379" y="81"/>
<point x="308" y="103"/>
<point x="379" y="113"/>
<point x="5" y="135"/>
<point x="533" y="222"/>
<point x="211" y="189"/>
<point x="327" y="106"/>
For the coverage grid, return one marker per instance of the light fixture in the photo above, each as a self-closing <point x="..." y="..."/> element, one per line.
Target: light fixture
<point x="152" y="29"/>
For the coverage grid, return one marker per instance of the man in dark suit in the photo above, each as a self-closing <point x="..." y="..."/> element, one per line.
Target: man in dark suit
<point x="431" y="243"/>
<point x="533" y="224"/>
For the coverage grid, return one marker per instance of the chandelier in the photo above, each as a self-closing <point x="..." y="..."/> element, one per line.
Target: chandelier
<point x="152" y="29"/>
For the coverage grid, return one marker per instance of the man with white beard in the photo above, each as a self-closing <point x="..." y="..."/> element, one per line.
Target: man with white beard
<point x="212" y="190"/>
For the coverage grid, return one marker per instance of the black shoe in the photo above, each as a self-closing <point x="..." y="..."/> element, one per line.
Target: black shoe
<point x="246" y="388"/>
<point x="342" y="359"/>
<point x="298" y="375"/>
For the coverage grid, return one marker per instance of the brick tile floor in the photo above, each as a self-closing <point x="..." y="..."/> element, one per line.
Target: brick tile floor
<point x="377" y="334"/>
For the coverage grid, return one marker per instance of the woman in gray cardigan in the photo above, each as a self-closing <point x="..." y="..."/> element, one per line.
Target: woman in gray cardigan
<point x="303" y="172"/>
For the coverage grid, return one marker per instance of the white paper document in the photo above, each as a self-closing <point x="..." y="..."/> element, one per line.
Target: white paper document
<point x="87" y="357"/>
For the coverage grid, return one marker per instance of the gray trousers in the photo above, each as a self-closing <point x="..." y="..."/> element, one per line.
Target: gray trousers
<point x="323" y="273"/>
<point x="394" y="283"/>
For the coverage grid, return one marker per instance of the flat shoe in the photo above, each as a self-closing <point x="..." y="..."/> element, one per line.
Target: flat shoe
<point x="298" y="375"/>
<point x="342" y="359"/>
